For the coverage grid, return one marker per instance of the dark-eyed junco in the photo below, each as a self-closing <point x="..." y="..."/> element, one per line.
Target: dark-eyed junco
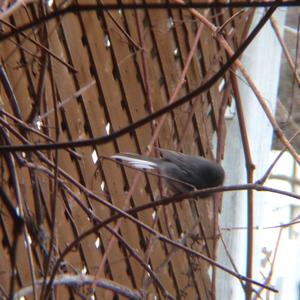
<point x="181" y="172"/>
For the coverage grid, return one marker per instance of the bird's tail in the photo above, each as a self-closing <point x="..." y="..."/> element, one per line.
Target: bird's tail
<point x="138" y="162"/>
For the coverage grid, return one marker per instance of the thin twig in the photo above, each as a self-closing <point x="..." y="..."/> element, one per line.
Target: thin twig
<point x="263" y="179"/>
<point x="220" y="29"/>
<point x="40" y="45"/>
<point x="72" y="97"/>
<point x="37" y="132"/>
<point x="269" y="277"/>
<point x="250" y="170"/>
<point x="14" y="7"/>
<point x="285" y="50"/>
<point x="81" y="280"/>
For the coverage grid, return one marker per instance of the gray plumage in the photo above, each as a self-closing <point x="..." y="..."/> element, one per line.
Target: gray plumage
<point x="189" y="171"/>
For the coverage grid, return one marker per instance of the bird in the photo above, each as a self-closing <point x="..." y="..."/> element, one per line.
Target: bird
<point x="181" y="172"/>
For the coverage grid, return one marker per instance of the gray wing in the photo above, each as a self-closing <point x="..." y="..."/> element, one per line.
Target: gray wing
<point x="176" y="177"/>
<point x="186" y="162"/>
<point x="183" y="167"/>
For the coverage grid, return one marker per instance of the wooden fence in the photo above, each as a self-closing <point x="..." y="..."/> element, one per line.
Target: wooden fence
<point x="87" y="74"/>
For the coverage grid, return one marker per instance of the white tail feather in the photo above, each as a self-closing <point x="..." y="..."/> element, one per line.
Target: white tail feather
<point x="137" y="162"/>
